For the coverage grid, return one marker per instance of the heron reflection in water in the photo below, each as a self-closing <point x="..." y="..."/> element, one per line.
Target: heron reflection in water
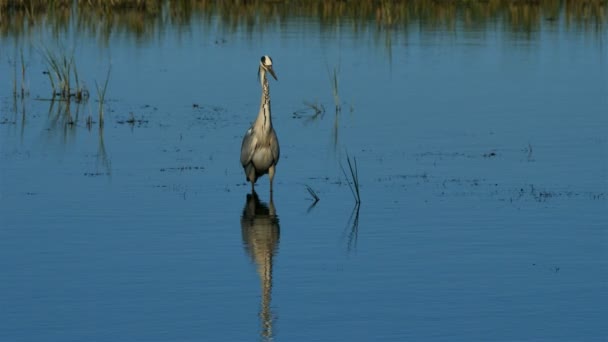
<point x="260" y="230"/>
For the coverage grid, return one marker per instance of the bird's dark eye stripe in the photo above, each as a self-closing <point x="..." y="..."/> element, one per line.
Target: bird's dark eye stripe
<point x="263" y="60"/>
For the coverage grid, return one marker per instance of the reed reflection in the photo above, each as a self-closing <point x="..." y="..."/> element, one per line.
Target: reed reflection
<point x="19" y="118"/>
<point x="103" y="161"/>
<point x="64" y="122"/>
<point x="352" y="227"/>
<point x="63" y="119"/>
<point x="260" y="231"/>
<point x="144" y="19"/>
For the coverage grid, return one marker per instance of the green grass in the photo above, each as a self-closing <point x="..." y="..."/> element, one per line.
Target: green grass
<point x="63" y="74"/>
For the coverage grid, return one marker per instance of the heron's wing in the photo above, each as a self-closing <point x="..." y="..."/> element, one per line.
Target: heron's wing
<point x="248" y="147"/>
<point x="274" y="147"/>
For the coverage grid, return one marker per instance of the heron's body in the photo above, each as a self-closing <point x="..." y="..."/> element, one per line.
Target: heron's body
<point x="260" y="148"/>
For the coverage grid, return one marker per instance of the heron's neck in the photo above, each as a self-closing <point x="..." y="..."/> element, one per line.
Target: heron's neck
<point x="264" y="116"/>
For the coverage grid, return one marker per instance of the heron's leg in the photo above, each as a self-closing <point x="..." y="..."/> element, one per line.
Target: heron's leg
<point x="271" y="176"/>
<point x="250" y="173"/>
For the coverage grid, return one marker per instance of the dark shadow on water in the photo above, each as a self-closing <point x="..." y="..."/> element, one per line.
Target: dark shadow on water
<point x="260" y="231"/>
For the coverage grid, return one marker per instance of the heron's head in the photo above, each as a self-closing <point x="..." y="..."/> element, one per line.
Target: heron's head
<point x="266" y="65"/>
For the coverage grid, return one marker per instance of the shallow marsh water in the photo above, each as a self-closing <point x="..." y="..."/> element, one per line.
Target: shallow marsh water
<point x="482" y="156"/>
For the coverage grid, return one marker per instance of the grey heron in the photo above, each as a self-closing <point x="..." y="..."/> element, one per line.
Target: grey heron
<point x="260" y="148"/>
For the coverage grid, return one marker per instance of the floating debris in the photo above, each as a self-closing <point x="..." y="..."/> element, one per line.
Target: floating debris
<point x="182" y="168"/>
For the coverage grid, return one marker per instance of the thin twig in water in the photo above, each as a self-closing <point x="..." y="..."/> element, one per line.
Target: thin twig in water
<point x="318" y="108"/>
<point x="14" y="80"/>
<point x="354" y="177"/>
<point x="312" y="193"/>
<point x="314" y="196"/>
<point x="333" y="79"/>
<point x="81" y="92"/>
<point x="23" y="68"/>
<point x="319" y="111"/>
<point x="101" y="94"/>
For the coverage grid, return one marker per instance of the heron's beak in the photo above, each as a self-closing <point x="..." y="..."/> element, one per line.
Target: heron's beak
<point x="269" y="68"/>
